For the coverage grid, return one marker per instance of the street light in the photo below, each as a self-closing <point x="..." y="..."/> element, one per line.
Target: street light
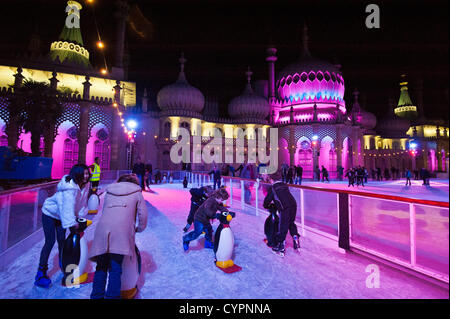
<point x="131" y="124"/>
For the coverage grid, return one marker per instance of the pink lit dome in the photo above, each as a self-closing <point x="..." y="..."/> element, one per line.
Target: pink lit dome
<point x="249" y="105"/>
<point x="181" y="96"/>
<point x="311" y="80"/>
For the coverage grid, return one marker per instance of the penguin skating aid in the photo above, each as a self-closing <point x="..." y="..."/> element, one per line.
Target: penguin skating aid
<point x="131" y="269"/>
<point x="75" y="256"/>
<point x="224" y="244"/>
<point x="93" y="201"/>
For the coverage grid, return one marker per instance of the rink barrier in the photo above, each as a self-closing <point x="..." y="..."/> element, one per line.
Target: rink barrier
<point x="394" y="229"/>
<point x="21" y="216"/>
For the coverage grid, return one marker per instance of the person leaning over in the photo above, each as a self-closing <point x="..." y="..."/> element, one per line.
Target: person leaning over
<point x="114" y="236"/>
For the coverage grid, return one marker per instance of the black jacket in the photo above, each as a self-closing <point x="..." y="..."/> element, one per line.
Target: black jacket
<point x="208" y="210"/>
<point x="198" y="195"/>
<point x="216" y="174"/>
<point x="139" y="169"/>
<point x="285" y="198"/>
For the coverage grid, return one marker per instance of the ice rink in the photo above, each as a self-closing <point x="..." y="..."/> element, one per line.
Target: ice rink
<point x="318" y="271"/>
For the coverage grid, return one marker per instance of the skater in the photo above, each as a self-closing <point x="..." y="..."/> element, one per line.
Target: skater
<point x="216" y="176"/>
<point x="139" y="170"/>
<point x="285" y="203"/>
<point x="202" y="217"/>
<point x="379" y="178"/>
<point x="351" y="177"/>
<point x="60" y="212"/>
<point x="317" y="172"/>
<point x="408" y="177"/>
<point x="340" y="170"/>
<point x="115" y="233"/>
<point x="149" y="172"/>
<point x="284" y="172"/>
<point x="290" y="175"/>
<point x="298" y="175"/>
<point x="324" y="174"/>
<point x="366" y="175"/>
<point x="185" y="182"/>
<point x="198" y="196"/>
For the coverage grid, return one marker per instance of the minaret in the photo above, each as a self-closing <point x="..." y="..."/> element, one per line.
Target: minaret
<point x="305" y="42"/>
<point x="271" y="59"/>
<point x="405" y="107"/>
<point x="121" y="15"/>
<point x="145" y="101"/>
<point x="70" y="48"/>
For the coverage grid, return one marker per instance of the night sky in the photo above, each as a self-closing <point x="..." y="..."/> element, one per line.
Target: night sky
<point x="221" y="38"/>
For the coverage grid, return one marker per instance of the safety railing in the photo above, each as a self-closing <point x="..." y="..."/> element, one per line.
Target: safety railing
<point x="412" y="233"/>
<point x="21" y="215"/>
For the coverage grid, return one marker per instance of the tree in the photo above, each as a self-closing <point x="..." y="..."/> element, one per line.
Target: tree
<point x="38" y="107"/>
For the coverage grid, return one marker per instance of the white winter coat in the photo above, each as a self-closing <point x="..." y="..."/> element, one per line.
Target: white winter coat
<point x="68" y="203"/>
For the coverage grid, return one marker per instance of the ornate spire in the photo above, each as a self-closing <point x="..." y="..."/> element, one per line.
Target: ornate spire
<point x="305" y="40"/>
<point x="182" y="60"/>
<point x="356" y="107"/>
<point x="70" y="48"/>
<point x="249" y="78"/>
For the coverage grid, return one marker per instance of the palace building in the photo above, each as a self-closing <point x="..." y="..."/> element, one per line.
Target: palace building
<point x="304" y="101"/>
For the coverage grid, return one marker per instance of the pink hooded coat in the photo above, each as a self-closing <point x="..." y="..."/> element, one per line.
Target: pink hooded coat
<point x="115" y="231"/>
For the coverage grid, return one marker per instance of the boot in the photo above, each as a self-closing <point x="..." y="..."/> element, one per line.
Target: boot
<point x="209" y="244"/>
<point x="42" y="279"/>
<point x="296" y="242"/>
<point x="185" y="245"/>
<point x="279" y="249"/>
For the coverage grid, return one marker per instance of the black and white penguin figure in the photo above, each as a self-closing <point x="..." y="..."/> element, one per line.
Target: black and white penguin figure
<point x="75" y="255"/>
<point x="131" y="269"/>
<point x="271" y="226"/>
<point x="224" y="243"/>
<point x="93" y="201"/>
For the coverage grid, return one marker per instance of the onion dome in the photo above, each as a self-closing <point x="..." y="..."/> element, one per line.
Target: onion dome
<point x="405" y="107"/>
<point x="69" y="48"/>
<point x="181" y="98"/>
<point x="249" y="106"/>
<point x="391" y="125"/>
<point x="360" y="116"/>
<point x="310" y="79"/>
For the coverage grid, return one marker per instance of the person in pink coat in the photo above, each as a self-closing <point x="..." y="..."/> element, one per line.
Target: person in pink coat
<point x="114" y="235"/>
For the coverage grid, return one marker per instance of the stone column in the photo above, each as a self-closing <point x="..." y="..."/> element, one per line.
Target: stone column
<point x="439" y="158"/>
<point x="271" y="59"/>
<point x="49" y="132"/>
<point x="12" y="129"/>
<point x="116" y="129"/>
<point x="83" y="136"/>
<point x="338" y="144"/>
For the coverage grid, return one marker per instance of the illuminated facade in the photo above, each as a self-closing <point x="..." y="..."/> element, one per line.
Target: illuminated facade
<point x="91" y="124"/>
<point x="304" y="101"/>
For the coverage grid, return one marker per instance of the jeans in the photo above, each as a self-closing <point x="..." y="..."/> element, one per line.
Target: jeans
<point x="286" y="224"/>
<point x="112" y="264"/>
<point x="52" y="230"/>
<point x="298" y="180"/>
<point x="141" y="181"/>
<point x="217" y="182"/>
<point x="199" y="227"/>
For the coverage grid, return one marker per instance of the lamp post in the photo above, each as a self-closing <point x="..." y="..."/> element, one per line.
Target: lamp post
<point x="131" y="125"/>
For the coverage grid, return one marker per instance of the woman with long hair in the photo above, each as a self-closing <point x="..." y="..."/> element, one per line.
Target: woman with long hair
<point x="60" y="212"/>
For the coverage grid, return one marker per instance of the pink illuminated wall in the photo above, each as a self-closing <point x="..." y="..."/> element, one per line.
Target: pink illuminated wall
<point x="58" y="149"/>
<point x="99" y="146"/>
<point x="347" y="154"/>
<point x="283" y="152"/>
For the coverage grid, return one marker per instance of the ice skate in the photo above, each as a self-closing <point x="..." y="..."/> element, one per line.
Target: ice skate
<point x="279" y="250"/>
<point x="296" y="243"/>
<point x="42" y="279"/>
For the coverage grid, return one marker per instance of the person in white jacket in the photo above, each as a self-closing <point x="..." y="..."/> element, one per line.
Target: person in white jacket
<point x="60" y="212"/>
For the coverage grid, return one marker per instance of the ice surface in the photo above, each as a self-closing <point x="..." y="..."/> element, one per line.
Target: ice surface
<point x="318" y="271"/>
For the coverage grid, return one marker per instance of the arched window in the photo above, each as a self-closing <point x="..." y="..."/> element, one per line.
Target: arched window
<point x="70" y="154"/>
<point x="3" y="140"/>
<point x="167" y="130"/>
<point x="102" y="149"/>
